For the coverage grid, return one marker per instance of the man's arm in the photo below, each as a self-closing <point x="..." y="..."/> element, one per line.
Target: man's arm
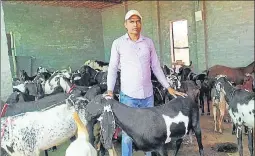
<point x="156" y="68"/>
<point x="158" y="72"/>
<point x="113" y="68"/>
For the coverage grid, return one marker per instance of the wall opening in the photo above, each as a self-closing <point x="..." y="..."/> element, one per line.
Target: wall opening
<point x="179" y="43"/>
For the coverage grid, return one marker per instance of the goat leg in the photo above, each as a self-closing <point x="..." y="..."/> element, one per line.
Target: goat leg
<point x="246" y="130"/>
<point x="202" y="105"/>
<point x="215" y="118"/>
<point x="222" y="113"/>
<point x="178" y="145"/>
<point x="239" y="139"/>
<point x="233" y="129"/>
<point x="250" y="140"/>
<point x="45" y="153"/>
<point x="208" y="105"/>
<point x="197" y="129"/>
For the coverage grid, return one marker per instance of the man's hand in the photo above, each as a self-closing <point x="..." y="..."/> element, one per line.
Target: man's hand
<point x="175" y="93"/>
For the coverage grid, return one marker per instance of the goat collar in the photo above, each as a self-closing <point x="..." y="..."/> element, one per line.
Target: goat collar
<point x="70" y="90"/>
<point x="4" y="109"/>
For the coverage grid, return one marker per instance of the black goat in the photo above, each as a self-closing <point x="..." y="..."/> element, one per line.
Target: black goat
<point x="152" y="129"/>
<point x="241" y="109"/>
<point x="205" y="91"/>
<point x="93" y="76"/>
<point x="185" y="72"/>
<point x="24" y="77"/>
<point x="16" y="97"/>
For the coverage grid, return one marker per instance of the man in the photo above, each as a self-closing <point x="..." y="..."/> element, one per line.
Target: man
<point x="136" y="56"/>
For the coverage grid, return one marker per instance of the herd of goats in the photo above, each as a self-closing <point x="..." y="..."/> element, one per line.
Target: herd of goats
<point x="45" y="110"/>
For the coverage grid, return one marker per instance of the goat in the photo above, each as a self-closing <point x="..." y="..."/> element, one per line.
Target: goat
<point x="240" y="108"/>
<point x="40" y="69"/>
<point x="16" y="97"/>
<point x="35" y="89"/>
<point x="95" y="77"/>
<point x="24" y="77"/>
<point x="152" y="129"/>
<point x="96" y="64"/>
<point x="81" y="146"/>
<point x="80" y="79"/>
<point x="27" y="134"/>
<point x="235" y="75"/>
<point x="219" y="107"/>
<point x="205" y="91"/>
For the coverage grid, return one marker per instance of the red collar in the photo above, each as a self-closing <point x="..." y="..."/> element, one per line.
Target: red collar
<point x="4" y="109"/>
<point x="73" y="86"/>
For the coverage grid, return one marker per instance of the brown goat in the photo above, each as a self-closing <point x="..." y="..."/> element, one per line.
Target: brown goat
<point x="219" y="107"/>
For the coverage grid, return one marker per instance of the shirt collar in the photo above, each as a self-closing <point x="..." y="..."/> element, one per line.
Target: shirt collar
<point x="141" y="38"/>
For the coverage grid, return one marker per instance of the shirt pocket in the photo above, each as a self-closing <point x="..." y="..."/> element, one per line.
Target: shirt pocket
<point x="145" y="52"/>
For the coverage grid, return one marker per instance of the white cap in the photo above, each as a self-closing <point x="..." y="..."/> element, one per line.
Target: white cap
<point x="131" y="13"/>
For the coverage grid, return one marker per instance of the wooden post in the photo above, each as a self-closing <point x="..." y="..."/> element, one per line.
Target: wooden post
<point x="13" y="54"/>
<point x="205" y="34"/>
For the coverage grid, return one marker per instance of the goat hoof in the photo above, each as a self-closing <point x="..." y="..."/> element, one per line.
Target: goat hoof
<point x="202" y="114"/>
<point x="233" y="132"/>
<point x="208" y="113"/>
<point x="220" y="131"/>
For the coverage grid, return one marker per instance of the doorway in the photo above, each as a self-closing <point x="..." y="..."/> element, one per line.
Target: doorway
<point x="179" y="43"/>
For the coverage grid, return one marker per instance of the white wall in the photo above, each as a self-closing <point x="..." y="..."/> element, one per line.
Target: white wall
<point x="6" y="79"/>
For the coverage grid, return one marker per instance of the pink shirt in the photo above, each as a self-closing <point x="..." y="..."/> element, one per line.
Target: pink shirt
<point x="134" y="58"/>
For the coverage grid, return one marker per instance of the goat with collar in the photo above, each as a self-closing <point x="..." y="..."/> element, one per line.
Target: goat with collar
<point x="241" y="109"/>
<point x="27" y="134"/>
<point x="152" y="129"/>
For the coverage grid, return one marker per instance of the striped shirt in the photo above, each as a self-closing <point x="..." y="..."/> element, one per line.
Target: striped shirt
<point x="135" y="60"/>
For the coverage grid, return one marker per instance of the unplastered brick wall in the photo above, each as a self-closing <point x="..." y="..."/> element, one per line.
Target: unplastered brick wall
<point x="56" y="36"/>
<point x="230" y="27"/>
<point x="230" y="32"/>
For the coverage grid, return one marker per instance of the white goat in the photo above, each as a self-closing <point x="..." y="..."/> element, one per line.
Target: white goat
<point x="29" y="133"/>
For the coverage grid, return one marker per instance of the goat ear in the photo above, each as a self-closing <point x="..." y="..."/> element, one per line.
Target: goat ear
<point x="107" y="123"/>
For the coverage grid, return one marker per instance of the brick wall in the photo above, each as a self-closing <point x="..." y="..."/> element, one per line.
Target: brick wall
<point x="230" y="27"/>
<point x="230" y="32"/>
<point x="55" y="36"/>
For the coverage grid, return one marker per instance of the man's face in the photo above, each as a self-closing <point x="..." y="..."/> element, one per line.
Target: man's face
<point x="133" y="25"/>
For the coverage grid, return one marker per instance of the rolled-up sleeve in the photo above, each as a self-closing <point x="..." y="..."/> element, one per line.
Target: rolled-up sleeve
<point x="156" y="68"/>
<point x="113" y="66"/>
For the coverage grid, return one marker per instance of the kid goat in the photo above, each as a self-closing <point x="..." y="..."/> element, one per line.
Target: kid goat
<point x="152" y="129"/>
<point x="241" y="109"/>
